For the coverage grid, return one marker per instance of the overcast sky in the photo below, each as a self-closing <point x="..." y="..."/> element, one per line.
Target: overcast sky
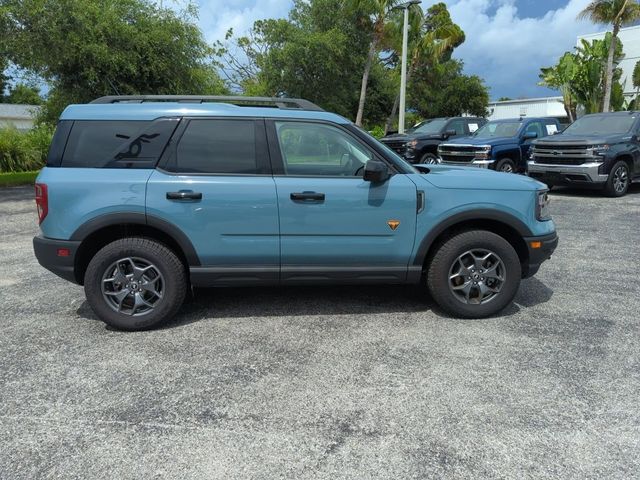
<point x="507" y="40"/>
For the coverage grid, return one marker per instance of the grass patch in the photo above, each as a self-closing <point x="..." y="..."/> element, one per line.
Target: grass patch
<point x="17" y="178"/>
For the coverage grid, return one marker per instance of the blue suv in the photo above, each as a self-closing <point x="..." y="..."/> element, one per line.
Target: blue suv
<point x="144" y="197"/>
<point x="501" y="145"/>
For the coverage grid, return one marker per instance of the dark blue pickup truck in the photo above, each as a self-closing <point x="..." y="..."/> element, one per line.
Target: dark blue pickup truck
<point x="501" y="145"/>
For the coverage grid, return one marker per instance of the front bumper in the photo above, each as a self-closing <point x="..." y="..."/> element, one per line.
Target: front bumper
<point x="585" y="174"/>
<point x="540" y="250"/>
<point x="52" y="255"/>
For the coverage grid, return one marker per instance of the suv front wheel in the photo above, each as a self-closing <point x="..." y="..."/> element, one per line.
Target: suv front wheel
<point x="474" y="274"/>
<point x="135" y="283"/>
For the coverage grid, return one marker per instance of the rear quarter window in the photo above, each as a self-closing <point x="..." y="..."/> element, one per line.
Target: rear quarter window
<point x="117" y="144"/>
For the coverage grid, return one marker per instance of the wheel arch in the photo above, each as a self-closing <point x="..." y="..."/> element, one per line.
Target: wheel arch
<point x="507" y="226"/>
<point x="103" y="230"/>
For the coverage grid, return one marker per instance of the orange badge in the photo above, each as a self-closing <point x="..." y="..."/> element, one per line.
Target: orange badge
<point x="393" y="224"/>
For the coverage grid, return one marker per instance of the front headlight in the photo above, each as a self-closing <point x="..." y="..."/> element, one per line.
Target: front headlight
<point x="600" y="150"/>
<point x="542" y="206"/>
<point x="484" y="152"/>
<point x="412" y="143"/>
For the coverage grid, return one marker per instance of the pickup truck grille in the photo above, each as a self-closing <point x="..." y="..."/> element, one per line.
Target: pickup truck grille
<point x="562" y="154"/>
<point x="457" y="153"/>
<point x="399" y="146"/>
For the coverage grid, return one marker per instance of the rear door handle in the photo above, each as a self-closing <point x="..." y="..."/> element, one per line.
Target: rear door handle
<point x="307" y="196"/>
<point x="184" y="195"/>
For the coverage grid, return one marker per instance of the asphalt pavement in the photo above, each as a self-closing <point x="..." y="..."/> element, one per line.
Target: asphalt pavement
<point x="330" y="383"/>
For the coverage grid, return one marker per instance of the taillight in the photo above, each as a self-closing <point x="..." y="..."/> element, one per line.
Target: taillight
<point x="42" y="201"/>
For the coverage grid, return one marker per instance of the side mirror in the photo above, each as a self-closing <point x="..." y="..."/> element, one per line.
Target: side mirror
<point x="450" y="133"/>
<point x="375" y="172"/>
<point x="529" y="135"/>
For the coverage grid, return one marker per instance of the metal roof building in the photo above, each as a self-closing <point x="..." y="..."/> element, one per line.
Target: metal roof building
<point x="528" y="107"/>
<point x="20" y="116"/>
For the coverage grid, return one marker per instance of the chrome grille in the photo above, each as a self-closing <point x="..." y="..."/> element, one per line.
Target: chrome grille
<point x="563" y="154"/>
<point x="398" y="146"/>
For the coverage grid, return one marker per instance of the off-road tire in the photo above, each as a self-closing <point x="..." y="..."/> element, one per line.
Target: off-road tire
<point x="162" y="258"/>
<point x="447" y="253"/>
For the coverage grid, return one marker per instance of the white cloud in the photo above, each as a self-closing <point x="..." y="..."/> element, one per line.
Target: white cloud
<point x="507" y="50"/>
<point x="217" y="16"/>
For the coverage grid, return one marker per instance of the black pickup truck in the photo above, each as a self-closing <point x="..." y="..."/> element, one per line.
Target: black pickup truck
<point x="601" y="150"/>
<point x="420" y="143"/>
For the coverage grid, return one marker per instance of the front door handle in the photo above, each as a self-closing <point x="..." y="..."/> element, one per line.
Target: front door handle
<point x="307" y="197"/>
<point x="184" y="195"/>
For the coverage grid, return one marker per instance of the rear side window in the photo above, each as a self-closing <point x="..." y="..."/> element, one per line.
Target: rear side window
<point x="117" y="144"/>
<point x="217" y="146"/>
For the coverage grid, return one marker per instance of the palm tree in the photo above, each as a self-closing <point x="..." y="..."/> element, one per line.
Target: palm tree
<point x="636" y="83"/>
<point x="616" y="13"/>
<point x="379" y="11"/>
<point x="560" y="77"/>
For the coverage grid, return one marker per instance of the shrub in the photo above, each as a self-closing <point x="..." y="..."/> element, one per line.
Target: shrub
<point x="377" y="132"/>
<point x="24" y="151"/>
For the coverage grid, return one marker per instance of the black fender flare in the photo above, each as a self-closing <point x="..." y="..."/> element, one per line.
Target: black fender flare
<point x="476" y="215"/>
<point x="131" y="218"/>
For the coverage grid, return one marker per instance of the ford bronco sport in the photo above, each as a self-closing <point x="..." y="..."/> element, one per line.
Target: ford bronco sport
<point x="144" y="197"/>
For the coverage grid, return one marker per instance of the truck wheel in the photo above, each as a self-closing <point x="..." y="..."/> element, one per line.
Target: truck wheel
<point x="506" y="165"/>
<point x="429" y="158"/>
<point x="474" y="274"/>
<point x="135" y="283"/>
<point x="618" y="181"/>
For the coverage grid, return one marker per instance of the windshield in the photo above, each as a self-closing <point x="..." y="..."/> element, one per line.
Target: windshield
<point x="498" y="129"/>
<point x="429" y="126"/>
<point x="601" y="125"/>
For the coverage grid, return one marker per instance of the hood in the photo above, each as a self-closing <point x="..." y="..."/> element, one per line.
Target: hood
<point x="405" y="137"/>
<point x="493" y="141"/>
<point x="471" y="178"/>
<point x="562" y="138"/>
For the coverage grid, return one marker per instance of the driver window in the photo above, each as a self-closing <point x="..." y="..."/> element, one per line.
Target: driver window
<point x="319" y="150"/>
<point x="534" y="127"/>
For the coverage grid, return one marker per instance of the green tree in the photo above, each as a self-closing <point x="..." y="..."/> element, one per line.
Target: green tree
<point x="24" y="94"/>
<point x="432" y="38"/>
<point x="317" y="53"/>
<point x="88" y="48"/>
<point x="442" y="90"/>
<point x="378" y="12"/>
<point x="616" y="13"/>
<point x="636" y="83"/>
<point x="560" y="77"/>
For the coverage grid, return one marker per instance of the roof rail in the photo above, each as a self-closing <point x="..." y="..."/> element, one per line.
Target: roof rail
<point x="279" y="102"/>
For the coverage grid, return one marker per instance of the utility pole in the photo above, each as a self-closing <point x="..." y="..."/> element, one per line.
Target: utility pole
<point x="403" y="68"/>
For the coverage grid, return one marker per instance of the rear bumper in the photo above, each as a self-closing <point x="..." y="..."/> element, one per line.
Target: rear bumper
<point x="48" y="252"/>
<point x="585" y="174"/>
<point x="537" y="256"/>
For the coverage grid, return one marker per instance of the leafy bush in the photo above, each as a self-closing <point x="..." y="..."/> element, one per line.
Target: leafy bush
<point x="24" y="151"/>
<point x="377" y="132"/>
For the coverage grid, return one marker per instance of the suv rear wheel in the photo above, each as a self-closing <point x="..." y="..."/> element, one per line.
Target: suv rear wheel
<point x="135" y="283"/>
<point x="474" y="274"/>
<point x="618" y="181"/>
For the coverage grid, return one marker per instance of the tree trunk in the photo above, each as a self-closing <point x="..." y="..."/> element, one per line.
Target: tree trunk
<point x="365" y="81"/>
<point x="606" y="107"/>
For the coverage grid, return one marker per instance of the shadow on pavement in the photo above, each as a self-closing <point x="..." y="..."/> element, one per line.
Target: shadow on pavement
<point x="634" y="189"/>
<point x="309" y="301"/>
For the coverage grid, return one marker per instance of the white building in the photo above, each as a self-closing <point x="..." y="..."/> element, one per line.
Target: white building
<point x="20" y="116"/>
<point x="630" y="38"/>
<point x="528" y="107"/>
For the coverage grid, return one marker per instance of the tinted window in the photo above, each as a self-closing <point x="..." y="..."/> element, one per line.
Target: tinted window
<point x="218" y="146"/>
<point x="535" y="127"/>
<point x="601" y="125"/>
<point x="498" y="129"/>
<point x="117" y="144"/>
<point x="458" y="126"/>
<point x="317" y="149"/>
<point x="429" y="126"/>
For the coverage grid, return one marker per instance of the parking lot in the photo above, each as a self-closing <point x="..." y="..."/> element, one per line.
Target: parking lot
<point x="357" y="382"/>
